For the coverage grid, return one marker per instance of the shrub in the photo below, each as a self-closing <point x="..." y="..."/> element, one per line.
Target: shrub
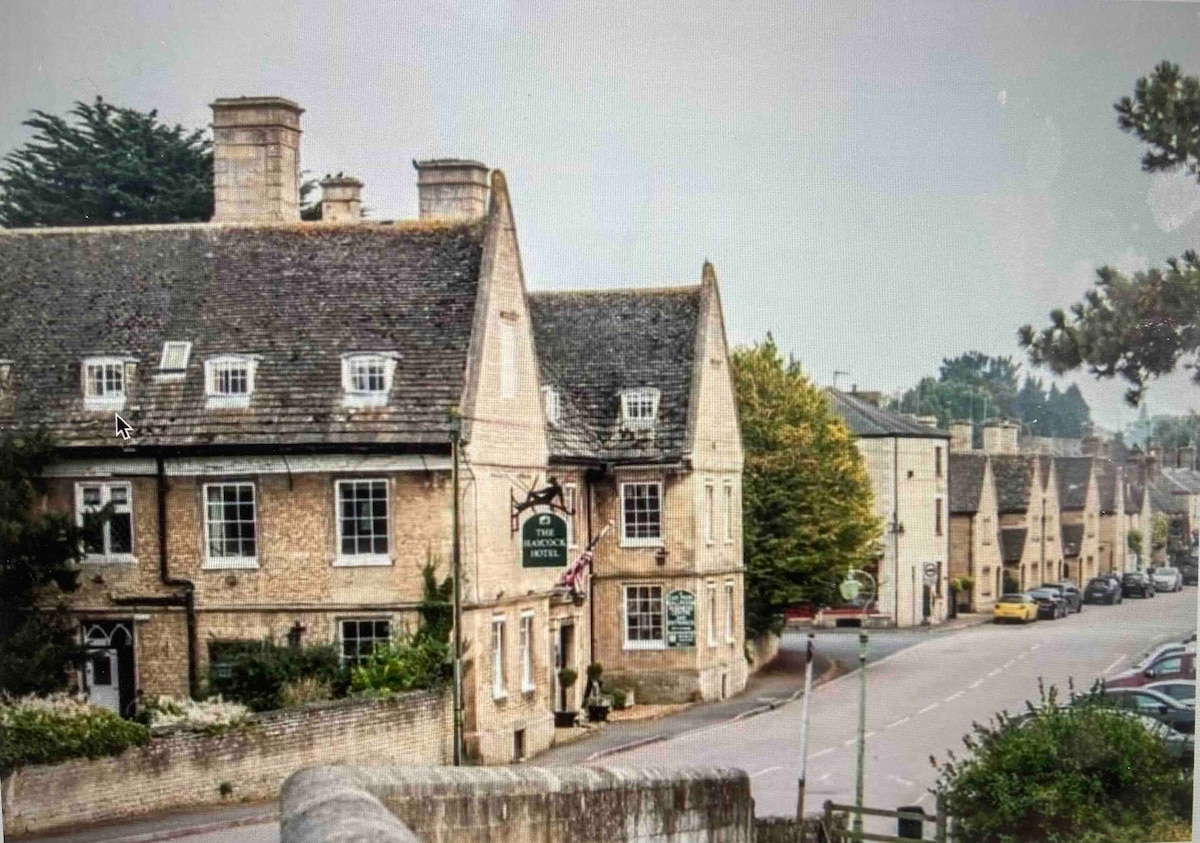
<point x="1063" y="773"/>
<point x="567" y="677"/>
<point x="211" y="715"/>
<point x="254" y="673"/>
<point x="305" y="690"/>
<point x="50" y="729"/>
<point x="618" y="698"/>
<point x="410" y="663"/>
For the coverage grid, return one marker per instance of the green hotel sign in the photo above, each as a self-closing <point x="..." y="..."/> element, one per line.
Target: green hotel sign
<point x="681" y="619"/>
<point x="544" y="542"/>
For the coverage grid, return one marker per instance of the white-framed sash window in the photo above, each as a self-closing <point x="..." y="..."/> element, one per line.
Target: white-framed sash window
<point x="499" y="689"/>
<point x="230" y="526"/>
<point x="104" y="385"/>
<point x="112" y="539"/>
<point x="229" y="380"/>
<point x="526" y="644"/>
<point x="363" y="522"/>
<point x="641" y="514"/>
<point x="644" y="617"/>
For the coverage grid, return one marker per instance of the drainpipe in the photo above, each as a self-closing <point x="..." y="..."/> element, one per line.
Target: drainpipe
<point x="896" y="527"/>
<point x="188" y="587"/>
<point x="592" y="573"/>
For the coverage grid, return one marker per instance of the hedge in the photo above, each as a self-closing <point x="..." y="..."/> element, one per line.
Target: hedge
<point x="53" y="729"/>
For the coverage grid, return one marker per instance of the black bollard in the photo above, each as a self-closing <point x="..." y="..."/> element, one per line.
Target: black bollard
<point x="911" y="829"/>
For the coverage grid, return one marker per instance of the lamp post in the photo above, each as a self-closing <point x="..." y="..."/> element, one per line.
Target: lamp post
<point x="808" y="672"/>
<point x="455" y="425"/>
<point x="852" y="587"/>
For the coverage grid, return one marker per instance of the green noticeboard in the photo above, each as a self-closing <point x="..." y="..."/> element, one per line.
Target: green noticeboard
<point x="544" y="542"/>
<point x="681" y="619"/>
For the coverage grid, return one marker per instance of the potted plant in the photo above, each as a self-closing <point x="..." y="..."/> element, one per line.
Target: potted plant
<point x="597" y="704"/>
<point x="566" y="719"/>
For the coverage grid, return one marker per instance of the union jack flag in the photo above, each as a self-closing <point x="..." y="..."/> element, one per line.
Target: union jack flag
<point x="571" y="577"/>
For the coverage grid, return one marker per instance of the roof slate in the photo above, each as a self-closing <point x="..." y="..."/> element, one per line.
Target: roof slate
<point x="1074" y="477"/>
<point x="1184" y="478"/>
<point x="1072" y="539"/>
<point x="1014" y="475"/>
<point x="1107" y="476"/>
<point x="594" y="345"/>
<point x="1163" y="497"/>
<point x="967" y="472"/>
<point x="1012" y="543"/>
<point x="866" y="420"/>
<point x="299" y="296"/>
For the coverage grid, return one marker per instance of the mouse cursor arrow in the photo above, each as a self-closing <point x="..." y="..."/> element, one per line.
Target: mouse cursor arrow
<point x="123" y="427"/>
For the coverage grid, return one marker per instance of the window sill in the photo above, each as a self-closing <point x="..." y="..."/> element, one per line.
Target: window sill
<point x="103" y="404"/>
<point x="501" y="697"/>
<point x="362" y="561"/>
<point x="114" y="559"/>
<point x="231" y="564"/>
<point x="645" y="645"/>
<point x="227" y="402"/>
<point x="528" y="690"/>
<point x="625" y="542"/>
<point x="365" y="399"/>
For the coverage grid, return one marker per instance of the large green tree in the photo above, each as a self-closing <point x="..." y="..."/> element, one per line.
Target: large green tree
<point x="103" y="164"/>
<point x="806" y="496"/>
<point x="39" y="555"/>
<point x="1138" y="327"/>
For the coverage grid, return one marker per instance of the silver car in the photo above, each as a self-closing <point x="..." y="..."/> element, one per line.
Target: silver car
<point x="1166" y="579"/>
<point x="1182" y="690"/>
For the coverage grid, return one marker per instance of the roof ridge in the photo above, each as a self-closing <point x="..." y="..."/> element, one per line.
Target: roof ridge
<point x="599" y="291"/>
<point x="298" y="225"/>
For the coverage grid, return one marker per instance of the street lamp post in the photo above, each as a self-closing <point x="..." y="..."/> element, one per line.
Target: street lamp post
<point x="455" y="423"/>
<point x="851" y="588"/>
<point x="808" y="672"/>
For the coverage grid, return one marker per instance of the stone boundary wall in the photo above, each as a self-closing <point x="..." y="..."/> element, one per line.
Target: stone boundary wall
<point x="182" y="768"/>
<point x="762" y="650"/>
<point x="517" y="805"/>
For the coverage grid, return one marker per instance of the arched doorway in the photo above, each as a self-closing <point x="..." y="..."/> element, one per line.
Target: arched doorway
<point x="108" y="675"/>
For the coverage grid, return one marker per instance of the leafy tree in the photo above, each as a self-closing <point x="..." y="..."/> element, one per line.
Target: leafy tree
<point x="1134" y="540"/>
<point x="109" y="165"/>
<point x="1159" y="529"/>
<point x="1143" y="326"/>
<point x="806" y="494"/>
<point x="1057" y="773"/>
<point x="39" y="556"/>
<point x="1176" y="431"/>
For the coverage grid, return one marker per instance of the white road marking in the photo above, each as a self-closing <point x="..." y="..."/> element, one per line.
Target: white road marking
<point x="1034" y="647"/>
<point x="822" y="752"/>
<point x="824" y="777"/>
<point x="869" y="735"/>
<point x="1021" y="656"/>
<point x="953" y="697"/>
<point x="995" y="672"/>
<point x="849" y="741"/>
<point x="929" y="707"/>
<point x="1108" y="669"/>
<point x="896" y="723"/>
<point x="924" y="796"/>
<point x="900" y="781"/>
<point x="766" y="770"/>
<point x="1009" y="664"/>
<point x="975" y="684"/>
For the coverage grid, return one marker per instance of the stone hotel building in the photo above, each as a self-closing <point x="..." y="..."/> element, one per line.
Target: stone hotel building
<point x="290" y="385"/>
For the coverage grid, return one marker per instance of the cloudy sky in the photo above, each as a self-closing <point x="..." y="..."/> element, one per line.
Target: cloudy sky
<point x="880" y="185"/>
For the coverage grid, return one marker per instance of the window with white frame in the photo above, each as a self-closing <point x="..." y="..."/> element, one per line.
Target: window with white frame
<point x="728" y="507"/>
<point x="527" y="684"/>
<point x="499" y="690"/>
<point x="728" y="613"/>
<point x="104" y="383"/>
<point x="508" y="359"/>
<point x="367" y="378"/>
<point x="553" y="404"/>
<point x="712" y="615"/>
<point x="570" y="499"/>
<point x="229" y="380"/>
<point x="639" y="407"/>
<point x="230" y="528"/>
<point x="111" y="539"/>
<point x="363" y="520"/>
<point x="641" y="514"/>
<point x="175" y="355"/>
<point x="644" y="617"/>
<point x="360" y="637"/>
<point x="709" y="504"/>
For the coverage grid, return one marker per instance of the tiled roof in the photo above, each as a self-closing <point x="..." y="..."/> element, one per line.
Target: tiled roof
<point x="1072" y="539"/>
<point x="967" y="472"/>
<point x="1184" y="478"/>
<point x="1045" y="464"/>
<point x="1107" y="476"/>
<point x="594" y="345"/>
<point x="298" y="296"/>
<point x="1014" y="480"/>
<point x="1135" y="486"/>
<point x="1074" y="475"/>
<point x="1163" y="497"/>
<point x="1012" y="543"/>
<point x="866" y="420"/>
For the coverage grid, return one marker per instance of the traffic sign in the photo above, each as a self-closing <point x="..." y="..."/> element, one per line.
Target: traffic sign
<point x="931" y="573"/>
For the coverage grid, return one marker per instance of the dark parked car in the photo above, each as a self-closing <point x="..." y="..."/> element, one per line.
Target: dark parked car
<point x="1156" y="704"/>
<point x="1103" y="590"/>
<point x="1189" y="569"/>
<point x="1137" y="582"/>
<point x="1171" y="666"/>
<point x="1051" y="603"/>
<point x="1071" y="594"/>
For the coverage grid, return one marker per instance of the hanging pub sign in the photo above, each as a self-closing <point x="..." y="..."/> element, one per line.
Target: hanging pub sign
<point x="681" y="619"/>
<point x="544" y="541"/>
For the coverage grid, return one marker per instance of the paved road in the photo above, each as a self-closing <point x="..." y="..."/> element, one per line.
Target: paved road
<point x="921" y="701"/>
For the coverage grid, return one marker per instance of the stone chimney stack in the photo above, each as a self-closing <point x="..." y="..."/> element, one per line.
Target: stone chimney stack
<point x="961" y="435"/>
<point x="341" y="199"/>
<point x="928" y="421"/>
<point x="452" y="189"/>
<point x="256" y="159"/>
<point x="1153" y="463"/>
<point x="1094" y="446"/>
<point x="1000" y="437"/>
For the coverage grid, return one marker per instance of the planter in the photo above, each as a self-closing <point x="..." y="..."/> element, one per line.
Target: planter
<point x="597" y="713"/>
<point x="566" y="719"/>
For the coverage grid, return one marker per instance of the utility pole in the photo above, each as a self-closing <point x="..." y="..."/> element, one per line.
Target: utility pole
<point x="456" y="563"/>
<point x="862" y="730"/>
<point x="808" y="672"/>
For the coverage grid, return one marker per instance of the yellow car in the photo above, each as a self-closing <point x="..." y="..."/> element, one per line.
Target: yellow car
<point x="1015" y="607"/>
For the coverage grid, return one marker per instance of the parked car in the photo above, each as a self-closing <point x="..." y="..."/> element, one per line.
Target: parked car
<point x="1189" y="570"/>
<point x="1137" y="582"/>
<point x="1103" y="590"/>
<point x="1169" y="666"/>
<point x="1051" y="603"/>
<point x="1015" y="608"/>
<point x="1181" y="690"/>
<point x="1071" y="594"/>
<point x="1166" y="579"/>
<point x="1154" y="654"/>
<point x="1178" y="744"/>
<point x="1151" y="703"/>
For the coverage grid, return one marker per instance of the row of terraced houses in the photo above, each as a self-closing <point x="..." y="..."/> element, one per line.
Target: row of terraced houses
<point x="290" y="388"/>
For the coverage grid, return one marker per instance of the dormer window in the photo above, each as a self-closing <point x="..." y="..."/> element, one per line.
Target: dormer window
<point x="367" y="378"/>
<point x="174" y="360"/>
<point x="104" y="383"/>
<point x="229" y="380"/>
<point x="553" y="405"/>
<point x="639" y="407"/>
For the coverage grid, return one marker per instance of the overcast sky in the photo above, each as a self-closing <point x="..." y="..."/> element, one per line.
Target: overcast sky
<point x="880" y="185"/>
